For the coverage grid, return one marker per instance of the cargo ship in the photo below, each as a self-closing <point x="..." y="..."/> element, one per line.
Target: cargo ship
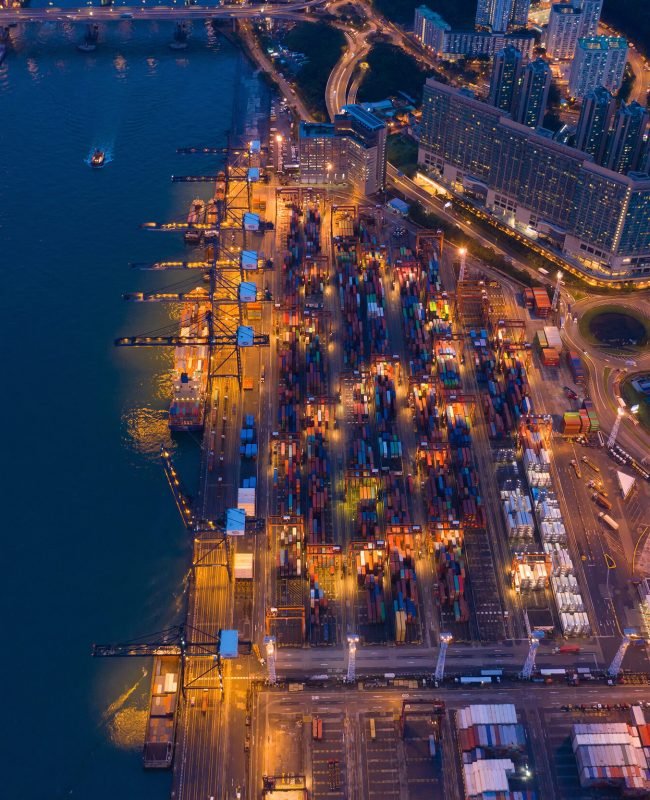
<point x="158" y="751"/>
<point x="220" y="195"/>
<point x="190" y="378"/>
<point x="196" y="216"/>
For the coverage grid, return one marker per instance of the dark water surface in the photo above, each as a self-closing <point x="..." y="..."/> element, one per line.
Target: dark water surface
<point x="92" y="547"/>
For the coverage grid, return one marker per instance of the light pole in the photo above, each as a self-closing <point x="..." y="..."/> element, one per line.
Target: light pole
<point x="617" y="424"/>
<point x="462" y="252"/>
<point x="269" y="645"/>
<point x="278" y="141"/>
<point x="556" y="293"/>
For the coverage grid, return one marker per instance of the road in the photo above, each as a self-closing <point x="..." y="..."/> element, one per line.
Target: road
<point x="604" y="366"/>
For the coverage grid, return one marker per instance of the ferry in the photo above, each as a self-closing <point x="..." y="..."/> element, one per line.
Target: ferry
<point x="98" y="158"/>
<point x="195" y="217"/>
<point x="190" y="375"/>
<point x="158" y="751"/>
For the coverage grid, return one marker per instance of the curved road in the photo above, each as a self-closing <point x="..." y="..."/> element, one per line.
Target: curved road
<point x="604" y="387"/>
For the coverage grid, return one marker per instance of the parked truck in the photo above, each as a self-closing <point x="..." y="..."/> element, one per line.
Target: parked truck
<point x="601" y="501"/>
<point x="590" y="463"/>
<point x="612" y="523"/>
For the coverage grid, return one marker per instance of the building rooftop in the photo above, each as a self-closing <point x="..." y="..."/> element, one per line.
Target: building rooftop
<point x="316" y="130"/>
<point x="366" y="118"/>
<point x="433" y="16"/>
<point x="602" y="43"/>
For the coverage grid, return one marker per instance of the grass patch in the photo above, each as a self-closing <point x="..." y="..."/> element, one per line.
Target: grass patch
<point x="631" y="397"/>
<point x="391" y="70"/>
<point x="403" y="153"/>
<point x="584" y="325"/>
<point x="458" y="13"/>
<point x="323" y="46"/>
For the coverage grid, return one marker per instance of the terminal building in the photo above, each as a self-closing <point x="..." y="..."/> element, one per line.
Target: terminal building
<point x="350" y="150"/>
<point x="547" y="191"/>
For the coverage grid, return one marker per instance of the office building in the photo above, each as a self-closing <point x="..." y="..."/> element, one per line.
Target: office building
<point x="544" y="189"/>
<point x="350" y="150"/>
<point x="506" y="73"/>
<point x="429" y="29"/>
<point x="532" y="95"/>
<point x="594" y="125"/>
<point x="591" y="11"/>
<point x="563" y="31"/>
<point x="598" y="61"/>
<point x="628" y="138"/>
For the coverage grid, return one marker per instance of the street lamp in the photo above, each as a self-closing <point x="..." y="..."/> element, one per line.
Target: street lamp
<point x="556" y="294"/>
<point x="617" y="424"/>
<point x="462" y="252"/>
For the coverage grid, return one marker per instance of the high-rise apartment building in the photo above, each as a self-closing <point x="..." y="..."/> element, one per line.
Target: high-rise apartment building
<point x="430" y="28"/>
<point x="563" y="31"/>
<point x="352" y="149"/>
<point x="494" y="14"/>
<point x="532" y="94"/>
<point x="627" y="140"/>
<point x="506" y="74"/>
<point x="546" y="189"/>
<point x="520" y="10"/>
<point x="594" y="125"/>
<point x="598" y="61"/>
<point x="591" y="11"/>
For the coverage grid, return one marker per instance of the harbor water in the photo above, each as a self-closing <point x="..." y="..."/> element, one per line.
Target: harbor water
<point x="93" y="548"/>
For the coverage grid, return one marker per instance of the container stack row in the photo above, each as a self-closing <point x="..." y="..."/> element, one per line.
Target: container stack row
<point x="450" y="568"/>
<point x="404" y="587"/>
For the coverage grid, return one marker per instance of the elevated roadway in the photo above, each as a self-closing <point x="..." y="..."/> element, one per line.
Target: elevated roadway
<point x="112" y="13"/>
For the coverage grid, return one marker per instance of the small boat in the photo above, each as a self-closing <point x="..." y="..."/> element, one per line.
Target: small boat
<point x="98" y="158"/>
<point x="179" y="42"/>
<point x="89" y="43"/>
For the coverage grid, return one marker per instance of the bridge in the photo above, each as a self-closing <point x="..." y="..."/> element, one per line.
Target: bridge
<point x="116" y="13"/>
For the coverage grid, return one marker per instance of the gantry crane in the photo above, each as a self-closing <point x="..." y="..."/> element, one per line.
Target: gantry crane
<point x="183" y="641"/>
<point x="629" y="635"/>
<point x="227" y="292"/>
<point x="353" y="641"/>
<point x="211" y="540"/>
<point x="529" y="664"/>
<point x="445" y="640"/>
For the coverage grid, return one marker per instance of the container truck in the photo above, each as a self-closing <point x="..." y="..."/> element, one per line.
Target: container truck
<point x="601" y="501"/>
<point x="608" y="520"/>
<point x="590" y="463"/>
<point x="576" y="468"/>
